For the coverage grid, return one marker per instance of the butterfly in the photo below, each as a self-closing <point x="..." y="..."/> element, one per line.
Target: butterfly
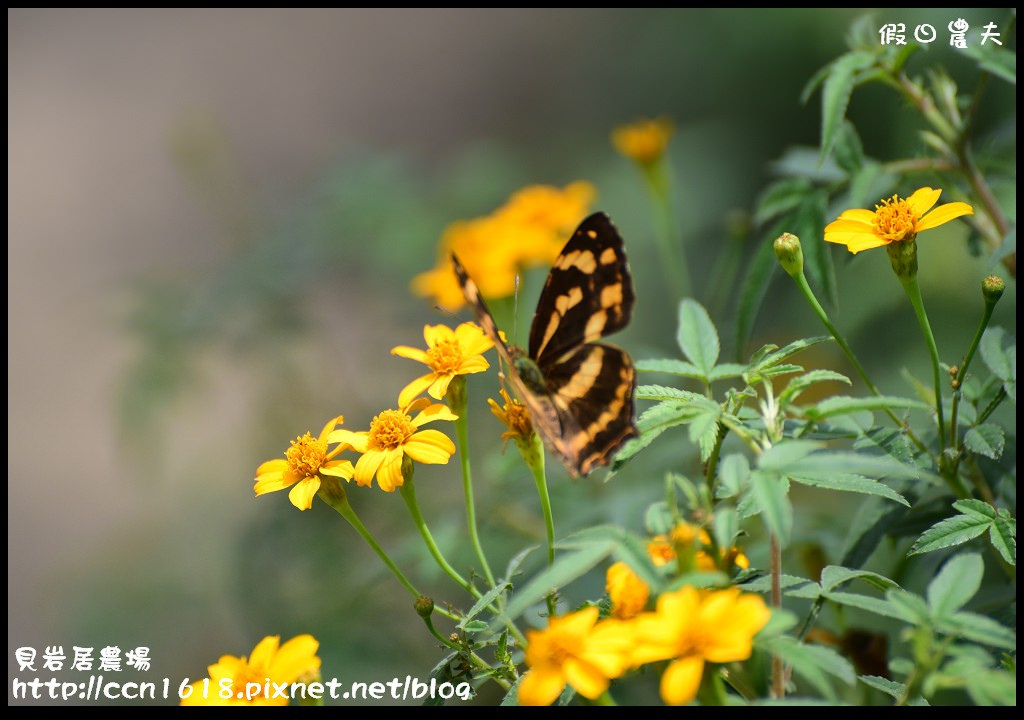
<point x="579" y="392"/>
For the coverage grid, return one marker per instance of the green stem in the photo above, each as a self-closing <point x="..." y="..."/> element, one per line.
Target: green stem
<point x="673" y="254"/>
<point x="991" y="407"/>
<point x="473" y="657"/>
<point x="778" y="671"/>
<point x="457" y="396"/>
<point x="954" y="437"/>
<point x="808" y="293"/>
<point x="605" y="698"/>
<point x="339" y="501"/>
<point x="909" y="281"/>
<point x="534" y="457"/>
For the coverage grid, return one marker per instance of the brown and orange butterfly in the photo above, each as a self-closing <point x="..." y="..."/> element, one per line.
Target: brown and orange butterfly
<point x="579" y="392"/>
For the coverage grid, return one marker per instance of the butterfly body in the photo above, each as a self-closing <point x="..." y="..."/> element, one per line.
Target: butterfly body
<point x="579" y="391"/>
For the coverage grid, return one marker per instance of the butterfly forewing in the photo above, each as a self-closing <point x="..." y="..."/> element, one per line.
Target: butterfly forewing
<point x="588" y="294"/>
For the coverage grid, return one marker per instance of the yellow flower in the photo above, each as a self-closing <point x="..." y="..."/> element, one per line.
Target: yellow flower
<point x="690" y="627"/>
<point x="643" y="141"/>
<point x="626" y="590"/>
<point x="449" y="353"/>
<point x="304" y="461"/>
<point x="683" y="540"/>
<point x="515" y="417"/>
<point x="392" y="436"/>
<point x="894" y="220"/>
<point x="529" y="229"/>
<point x="574" y="649"/>
<point x="244" y="680"/>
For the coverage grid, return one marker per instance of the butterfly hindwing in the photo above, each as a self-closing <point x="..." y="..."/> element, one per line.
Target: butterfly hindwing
<point x="583" y="405"/>
<point x="588" y="294"/>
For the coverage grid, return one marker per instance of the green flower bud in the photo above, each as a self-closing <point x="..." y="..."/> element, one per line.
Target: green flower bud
<point x="903" y="256"/>
<point x="992" y="288"/>
<point x="424" y="606"/>
<point x="790" y="254"/>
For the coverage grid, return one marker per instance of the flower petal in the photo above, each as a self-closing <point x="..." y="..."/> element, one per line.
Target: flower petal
<point x="275" y="465"/>
<point x="540" y="687"/>
<point x="859" y="215"/>
<point x="922" y="200"/>
<point x="435" y="334"/>
<point x="294" y="659"/>
<point x="437" y="411"/>
<point x="943" y="214"/>
<point x="272" y="482"/>
<point x="358" y="441"/>
<point x="849" y="226"/>
<point x="366" y="466"/>
<point x="473" y="364"/>
<point x="472" y="339"/>
<point x="331" y="424"/>
<point x="414" y="388"/>
<point x="302" y="494"/>
<point x="438" y="388"/>
<point x="865" y="243"/>
<point x="410" y="352"/>
<point x="588" y="680"/>
<point x="338" y="468"/>
<point x="263" y="654"/>
<point x="431" y="447"/>
<point x="681" y="680"/>
<point x="389" y="475"/>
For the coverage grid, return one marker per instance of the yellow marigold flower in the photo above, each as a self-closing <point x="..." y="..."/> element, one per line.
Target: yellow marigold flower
<point x="393" y="435"/>
<point x="643" y="141"/>
<point x="894" y="220"/>
<point x="302" y="466"/>
<point x="449" y="353"/>
<point x="295" y="661"/>
<point x="690" y="627"/>
<point x="626" y="590"/>
<point x="664" y="549"/>
<point x="574" y="649"/>
<point x="515" y="417"/>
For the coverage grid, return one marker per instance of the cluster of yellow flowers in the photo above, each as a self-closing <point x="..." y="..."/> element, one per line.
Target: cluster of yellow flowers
<point x="688" y="628"/>
<point x="530" y="229"/>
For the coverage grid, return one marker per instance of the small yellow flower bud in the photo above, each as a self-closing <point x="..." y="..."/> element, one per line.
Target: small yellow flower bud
<point x="790" y="254"/>
<point x="424" y="606"/>
<point x="992" y="288"/>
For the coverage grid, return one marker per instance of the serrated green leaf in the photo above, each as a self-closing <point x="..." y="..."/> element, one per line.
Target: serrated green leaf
<point x="626" y="547"/>
<point x="724" y="371"/>
<point x="999" y="61"/>
<point x="485" y="600"/>
<point x="835" y="94"/>
<point x="992" y="353"/>
<point x="763" y="584"/>
<point x="780" y="197"/>
<point x="798" y="384"/>
<point x="891" y="688"/>
<point x="697" y="336"/>
<point x="986" y="439"/>
<point x="824" y="463"/>
<point x="954" y="586"/>
<point x="512" y="696"/>
<point x="733" y="474"/>
<point x="670" y="366"/>
<point x="851" y="483"/>
<point x="725" y="526"/>
<point x="949" y="532"/>
<point x="780" y="457"/>
<point x="652" y="423"/>
<point x="970" y="506"/>
<point x="849" y="152"/>
<point x="1003" y="535"/>
<point x="910" y="605"/>
<point x="878" y="606"/>
<point x="811" y="662"/>
<point x="771" y="493"/>
<point x="663" y="393"/>
<point x="832" y="576"/>
<point x="775" y="356"/>
<point x="842" y="404"/>
<point x="565" y="569"/>
<point x="754" y="287"/>
<point x="474" y="626"/>
<point x="979" y="629"/>
<point x="756" y="376"/>
<point x="513" y="565"/>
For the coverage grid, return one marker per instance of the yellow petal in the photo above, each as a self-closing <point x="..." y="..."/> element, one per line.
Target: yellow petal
<point x="263" y="654"/>
<point x="414" y="388"/>
<point x="302" y="494"/>
<point x="435" y="334"/>
<point x="540" y="687"/>
<point x="922" y="200"/>
<point x="272" y="482"/>
<point x="439" y="387"/>
<point x="331" y="424"/>
<point x="472" y="339"/>
<point x="431" y="447"/>
<point x="296" y="658"/>
<point x="366" y="466"/>
<point x="866" y="243"/>
<point x="389" y="474"/>
<point x="473" y="364"/>
<point x="338" y="468"/>
<point x="943" y="214"/>
<point x="437" y="411"/>
<point x="583" y="676"/>
<point x="410" y="352"/>
<point x="358" y="441"/>
<point x="196" y="697"/>
<point x="275" y="465"/>
<point x="681" y="680"/>
<point x="849" y="226"/>
<point x="860" y="215"/>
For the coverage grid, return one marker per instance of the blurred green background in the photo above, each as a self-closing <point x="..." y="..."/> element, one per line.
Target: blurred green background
<point x="213" y="219"/>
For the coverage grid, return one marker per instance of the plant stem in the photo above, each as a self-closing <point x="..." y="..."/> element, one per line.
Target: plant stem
<point x="954" y="438"/>
<point x="408" y="491"/>
<point x="778" y="672"/>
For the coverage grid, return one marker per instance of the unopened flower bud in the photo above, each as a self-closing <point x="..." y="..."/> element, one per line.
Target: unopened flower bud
<point x="790" y="254"/>
<point x="424" y="606"/>
<point x="992" y="288"/>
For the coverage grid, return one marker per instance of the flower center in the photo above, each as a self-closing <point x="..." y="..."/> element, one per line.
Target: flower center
<point x="518" y="418"/>
<point x="894" y="219"/>
<point x="390" y="429"/>
<point x="306" y="455"/>
<point x="445" y="357"/>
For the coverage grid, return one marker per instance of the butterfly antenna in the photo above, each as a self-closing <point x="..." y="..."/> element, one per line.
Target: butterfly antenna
<point x="515" y="309"/>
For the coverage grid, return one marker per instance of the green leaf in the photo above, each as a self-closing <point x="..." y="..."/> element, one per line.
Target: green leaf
<point x="995" y="357"/>
<point x="779" y="458"/>
<point x="832" y="576"/>
<point x="733" y="474"/>
<point x="626" y="547"/>
<point x="652" y="423"/>
<point x="993" y="687"/>
<point x="565" y="569"/>
<point x="781" y="197"/>
<point x="670" y="366"/>
<point x="483" y="602"/>
<point x="664" y="393"/>
<point x="770" y="492"/>
<point x="763" y="584"/>
<point x="725" y="526"/>
<point x="912" y="607"/>
<point x="979" y="629"/>
<point x="980" y="508"/>
<point x="949" y="532"/>
<point x="849" y="152"/>
<point x="1003" y="535"/>
<point x="474" y="626"/>
<point x="823" y="463"/>
<point x="697" y="336"/>
<point x="512" y="696"/>
<point x="986" y="439"/>
<point x="957" y="582"/>
<point x="774" y="357"/>
<point x="878" y="606"/>
<point x="995" y="59"/>
<point x="726" y="371"/>
<point x="755" y="286"/>
<point x="835" y="94"/>
<point x="809" y="225"/>
<point x="798" y="384"/>
<point x="513" y="565"/>
<point x="851" y="483"/>
<point x="842" y="404"/>
<point x="893" y="689"/>
<point x="811" y="662"/>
